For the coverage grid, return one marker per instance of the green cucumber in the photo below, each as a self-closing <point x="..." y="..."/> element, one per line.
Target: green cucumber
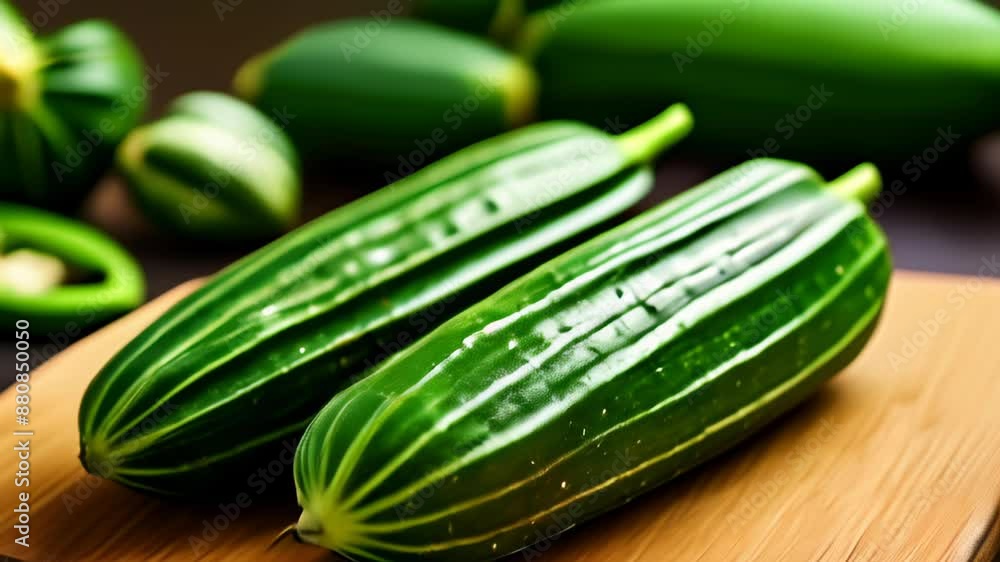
<point x="66" y="100"/>
<point x="386" y="91"/>
<point x="197" y="400"/>
<point x="213" y="168"/>
<point x="601" y="374"/>
<point x="823" y="78"/>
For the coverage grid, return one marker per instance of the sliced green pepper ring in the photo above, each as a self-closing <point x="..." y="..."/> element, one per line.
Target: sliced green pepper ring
<point x="38" y="252"/>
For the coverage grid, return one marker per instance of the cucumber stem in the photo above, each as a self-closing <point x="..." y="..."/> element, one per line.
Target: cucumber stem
<point x="644" y="142"/>
<point x="507" y="18"/>
<point x="861" y="183"/>
<point x="247" y="82"/>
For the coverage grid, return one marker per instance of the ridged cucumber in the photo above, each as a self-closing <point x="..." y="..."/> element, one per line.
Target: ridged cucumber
<point x="601" y="374"/>
<point x="192" y="404"/>
<point x="380" y="91"/>
<point x="824" y="78"/>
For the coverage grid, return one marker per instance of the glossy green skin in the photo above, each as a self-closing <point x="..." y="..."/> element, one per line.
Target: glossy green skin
<point x="246" y="361"/>
<point x="410" y="87"/>
<point x="214" y="168"/>
<point x="75" y="308"/>
<point x="599" y="375"/>
<point x="66" y="101"/>
<point x="892" y="87"/>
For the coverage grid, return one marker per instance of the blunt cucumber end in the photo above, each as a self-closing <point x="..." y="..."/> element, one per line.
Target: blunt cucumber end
<point x="247" y="82"/>
<point x="862" y="183"/>
<point x="332" y="531"/>
<point x="520" y="85"/>
<point x="19" y="89"/>
<point x="644" y="142"/>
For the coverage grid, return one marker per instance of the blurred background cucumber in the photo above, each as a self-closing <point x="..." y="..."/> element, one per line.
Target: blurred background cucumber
<point x="825" y="78"/>
<point x="872" y="78"/>
<point x="387" y="89"/>
<point x="214" y="168"/>
<point x="66" y="100"/>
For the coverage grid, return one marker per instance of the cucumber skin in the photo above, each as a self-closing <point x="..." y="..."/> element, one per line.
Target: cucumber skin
<point x="205" y="394"/>
<point x="392" y="467"/>
<point x="383" y="96"/>
<point x="213" y="169"/>
<point x="890" y="89"/>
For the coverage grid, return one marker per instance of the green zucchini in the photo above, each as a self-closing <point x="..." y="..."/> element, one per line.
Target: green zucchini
<point x="823" y="78"/>
<point x="601" y="374"/>
<point x="197" y="400"/>
<point x="402" y="92"/>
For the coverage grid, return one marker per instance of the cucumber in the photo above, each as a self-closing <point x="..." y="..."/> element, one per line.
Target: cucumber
<point x="601" y="374"/>
<point x="66" y="100"/>
<point x="213" y="168"/>
<point x="405" y="90"/>
<point x="826" y="78"/>
<point x="205" y="394"/>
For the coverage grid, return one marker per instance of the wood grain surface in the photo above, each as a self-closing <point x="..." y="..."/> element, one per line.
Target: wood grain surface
<point x="898" y="458"/>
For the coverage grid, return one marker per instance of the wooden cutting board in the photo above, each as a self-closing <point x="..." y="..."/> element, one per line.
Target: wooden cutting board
<point x="898" y="458"/>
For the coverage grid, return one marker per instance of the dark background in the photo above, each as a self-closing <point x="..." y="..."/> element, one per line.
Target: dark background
<point x="947" y="221"/>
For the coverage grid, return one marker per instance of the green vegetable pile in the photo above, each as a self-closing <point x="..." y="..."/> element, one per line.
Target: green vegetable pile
<point x="486" y="326"/>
